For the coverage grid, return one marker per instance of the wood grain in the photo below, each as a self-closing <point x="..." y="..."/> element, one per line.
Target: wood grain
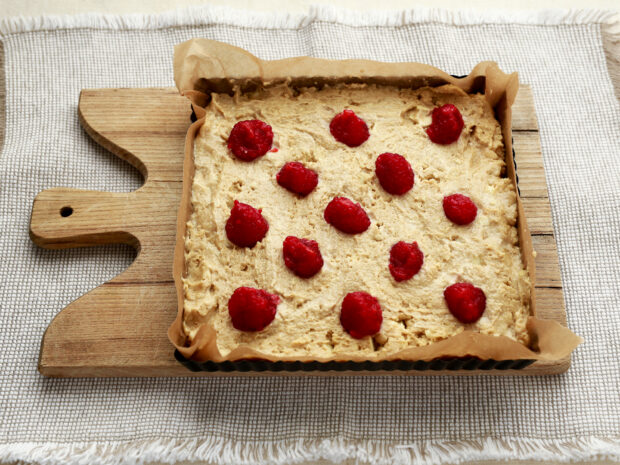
<point x="119" y="328"/>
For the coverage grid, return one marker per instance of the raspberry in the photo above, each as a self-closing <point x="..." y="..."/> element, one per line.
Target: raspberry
<point x="459" y="209"/>
<point x="446" y="126"/>
<point x="346" y="216"/>
<point x="394" y="173"/>
<point x="250" y="139"/>
<point x="252" y="309"/>
<point x="246" y="225"/>
<point x="348" y="128"/>
<point x="360" y="314"/>
<point x="297" y="178"/>
<point x="405" y="260"/>
<point x="302" y="256"/>
<point x="465" y="301"/>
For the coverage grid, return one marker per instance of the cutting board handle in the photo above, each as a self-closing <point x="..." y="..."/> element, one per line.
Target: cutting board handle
<point x="63" y="218"/>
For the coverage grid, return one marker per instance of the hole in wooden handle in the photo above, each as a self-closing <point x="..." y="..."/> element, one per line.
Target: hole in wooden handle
<point x="66" y="211"/>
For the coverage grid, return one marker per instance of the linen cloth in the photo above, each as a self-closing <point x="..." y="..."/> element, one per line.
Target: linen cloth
<point x="282" y="420"/>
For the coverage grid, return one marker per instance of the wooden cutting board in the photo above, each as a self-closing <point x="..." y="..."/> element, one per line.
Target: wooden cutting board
<point x="119" y="328"/>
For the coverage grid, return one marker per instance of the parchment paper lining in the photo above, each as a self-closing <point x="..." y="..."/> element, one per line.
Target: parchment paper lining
<point x="203" y="66"/>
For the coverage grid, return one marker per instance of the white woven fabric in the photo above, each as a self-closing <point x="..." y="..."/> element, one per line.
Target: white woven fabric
<point x="283" y="420"/>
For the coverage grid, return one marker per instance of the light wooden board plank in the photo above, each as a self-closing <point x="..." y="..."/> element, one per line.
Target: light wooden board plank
<point x="119" y="329"/>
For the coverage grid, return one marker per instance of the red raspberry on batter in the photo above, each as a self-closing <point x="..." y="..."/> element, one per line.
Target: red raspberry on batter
<point x="394" y="173"/>
<point x="296" y="178"/>
<point x="246" y="225"/>
<point x="360" y="314"/>
<point x="348" y="128"/>
<point x="459" y="209"/>
<point x="465" y="301"/>
<point x="302" y="256"/>
<point x="446" y="126"/>
<point x="405" y="260"/>
<point x="250" y="139"/>
<point x="346" y="216"/>
<point x="252" y="309"/>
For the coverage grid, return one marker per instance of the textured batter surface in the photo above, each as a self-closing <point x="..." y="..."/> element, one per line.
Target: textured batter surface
<point x="307" y="323"/>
